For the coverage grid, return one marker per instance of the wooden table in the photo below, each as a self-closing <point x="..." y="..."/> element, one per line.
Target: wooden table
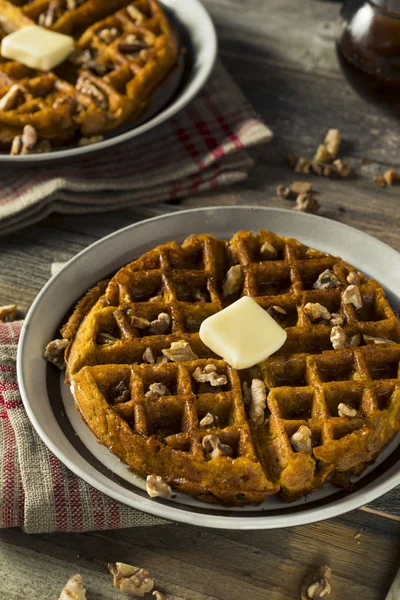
<point x="281" y="52"/>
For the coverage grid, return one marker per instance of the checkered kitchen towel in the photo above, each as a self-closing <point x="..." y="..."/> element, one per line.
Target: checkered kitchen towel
<point x="36" y="490"/>
<point x="201" y="148"/>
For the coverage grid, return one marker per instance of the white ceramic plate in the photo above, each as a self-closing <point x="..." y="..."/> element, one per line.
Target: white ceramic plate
<point x="49" y="403"/>
<point x="199" y="38"/>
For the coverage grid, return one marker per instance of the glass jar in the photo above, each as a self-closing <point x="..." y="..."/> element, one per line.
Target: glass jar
<point x="369" y="50"/>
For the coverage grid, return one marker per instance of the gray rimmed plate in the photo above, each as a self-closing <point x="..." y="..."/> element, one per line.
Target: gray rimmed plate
<point x="50" y="405"/>
<point x="198" y="42"/>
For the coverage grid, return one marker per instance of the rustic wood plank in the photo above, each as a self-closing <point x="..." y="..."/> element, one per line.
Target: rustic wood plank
<point x="203" y="564"/>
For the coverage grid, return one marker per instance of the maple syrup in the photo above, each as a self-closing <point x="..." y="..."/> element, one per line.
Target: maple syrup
<point x="369" y="50"/>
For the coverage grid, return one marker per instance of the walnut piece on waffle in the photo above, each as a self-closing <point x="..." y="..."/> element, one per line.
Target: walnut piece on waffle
<point x="307" y="415"/>
<point x="124" y="50"/>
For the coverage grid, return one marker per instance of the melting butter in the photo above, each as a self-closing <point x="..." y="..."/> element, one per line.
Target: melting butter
<point x="244" y="334"/>
<point x="37" y="47"/>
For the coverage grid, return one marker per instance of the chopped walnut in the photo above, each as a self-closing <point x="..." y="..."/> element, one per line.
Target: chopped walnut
<point x="161" y="360"/>
<point x="355" y="340"/>
<point x="157" y="298"/>
<point x="105" y="338"/>
<point x="345" y="410"/>
<point x="25" y="143"/>
<point x="180" y="352"/>
<point x="352" y="295"/>
<point x="29" y="139"/>
<point x="317" y="586"/>
<point x="353" y="278"/>
<point x="8" y="313"/>
<point x="323" y="169"/>
<point x="322" y="154"/>
<point x="258" y="401"/>
<point x="209" y="374"/>
<point x="380" y="180"/>
<point x="283" y="191"/>
<point x="88" y="88"/>
<point x="214" y="448"/>
<point x="108" y="34"/>
<point x="306" y="203"/>
<point x="161" y="325"/>
<point x="301" y="439"/>
<point x="315" y="311"/>
<point x="9" y="99"/>
<point x="300" y="187"/>
<point x="88" y="141"/>
<point x="120" y="393"/>
<point x="268" y="252"/>
<point x="139" y="322"/>
<point x="158" y="595"/>
<point x="156" y="486"/>
<point x="148" y="356"/>
<point x="391" y="176"/>
<point x="337" y="319"/>
<point x="135" y="14"/>
<point x="341" y="168"/>
<point x="338" y="338"/>
<point x="74" y="589"/>
<point x="332" y="142"/>
<point x="302" y="165"/>
<point x="131" y="580"/>
<point x="156" y="390"/>
<point x="55" y="353"/>
<point x="234" y="281"/>
<point x="131" y="45"/>
<point x="278" y="313"/>
<point x="209" y="420"/>
<point x="370" y="339"/>
<point x="326" y="280"/>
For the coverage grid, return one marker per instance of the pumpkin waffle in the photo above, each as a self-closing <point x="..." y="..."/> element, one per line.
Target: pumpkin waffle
<point x="159" y="399"/>
<point x="124" y="50"/>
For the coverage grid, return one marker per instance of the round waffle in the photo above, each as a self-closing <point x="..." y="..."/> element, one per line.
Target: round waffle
<point x="124" y="50"/>
<point x="160" y="400"/>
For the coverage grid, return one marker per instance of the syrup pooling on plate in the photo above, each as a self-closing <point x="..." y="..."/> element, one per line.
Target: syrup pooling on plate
<point x="167" y="406"/>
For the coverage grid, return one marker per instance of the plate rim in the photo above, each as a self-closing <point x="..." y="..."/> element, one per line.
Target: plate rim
<point x="210" y="48"/>
<point x="171" y="511"/>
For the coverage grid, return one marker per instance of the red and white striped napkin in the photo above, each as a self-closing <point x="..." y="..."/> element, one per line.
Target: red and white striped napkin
<point x="37" y="491"/>
<point x="204" y="146"/>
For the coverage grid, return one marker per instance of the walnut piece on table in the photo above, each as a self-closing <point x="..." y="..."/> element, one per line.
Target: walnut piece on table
<point x="317" y="585"/>
<point x="74" y="589"/>
<point x="307" y="203"/>
<point x="8" y="313"/>
<point x="131" y="580"/>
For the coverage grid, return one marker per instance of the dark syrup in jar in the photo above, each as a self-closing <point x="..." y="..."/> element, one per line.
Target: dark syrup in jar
<point x="369" y="51"/>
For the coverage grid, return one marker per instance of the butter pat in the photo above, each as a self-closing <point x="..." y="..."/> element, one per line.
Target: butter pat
<point x="37" y="47"/>
<point x="244" y="334"/>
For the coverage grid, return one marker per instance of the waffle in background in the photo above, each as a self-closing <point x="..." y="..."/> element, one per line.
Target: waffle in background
<point x="124" y="50"/>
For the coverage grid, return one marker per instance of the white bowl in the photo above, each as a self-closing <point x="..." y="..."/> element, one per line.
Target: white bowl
<point x="50" y="405"/>
<point x="195" y="24"/>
